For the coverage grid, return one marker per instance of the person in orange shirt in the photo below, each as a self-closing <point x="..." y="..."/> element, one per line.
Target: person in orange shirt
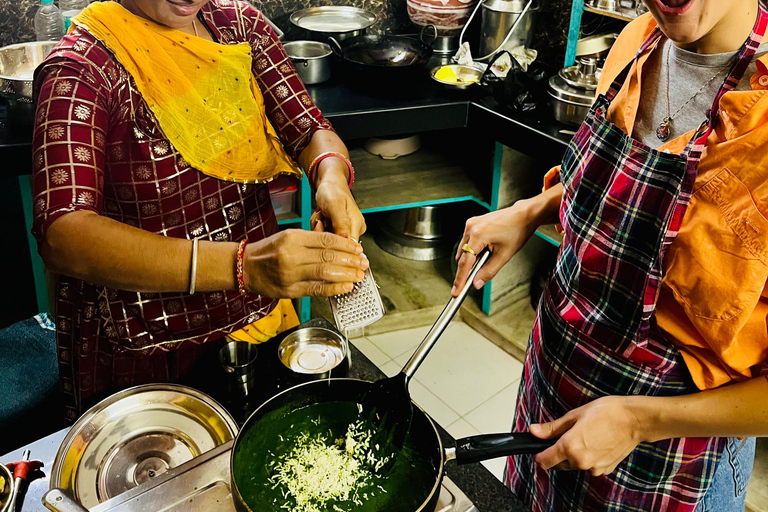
<point x="647" y="359"/>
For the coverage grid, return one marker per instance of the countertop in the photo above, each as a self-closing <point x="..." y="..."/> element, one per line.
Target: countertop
<point x="485" y="491"/>
<point x="361" y="106"/>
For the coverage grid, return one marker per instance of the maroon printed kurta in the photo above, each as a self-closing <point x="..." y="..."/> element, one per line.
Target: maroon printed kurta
<point x="98" y="147"/>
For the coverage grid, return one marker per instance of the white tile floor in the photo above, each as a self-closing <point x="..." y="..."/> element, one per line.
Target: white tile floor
<point x="467" y="384"/>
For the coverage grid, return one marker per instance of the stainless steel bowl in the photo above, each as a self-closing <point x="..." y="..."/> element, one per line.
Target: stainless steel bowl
<point x="17" y="67"/>
<point x="6" y="490"/>
<point x="466" y="75"/>
<point x="312" y="60"/>
<point x="312" y="351"/>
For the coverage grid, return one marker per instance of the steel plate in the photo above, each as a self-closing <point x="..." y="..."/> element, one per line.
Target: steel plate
<point x="135" y="436"/>
<point x="333" y="19"/>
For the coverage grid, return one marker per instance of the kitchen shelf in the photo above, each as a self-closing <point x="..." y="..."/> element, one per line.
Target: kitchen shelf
<point x="427" y="177"/>
<point x="624" y="15"/>
<point x="550" y="234"/>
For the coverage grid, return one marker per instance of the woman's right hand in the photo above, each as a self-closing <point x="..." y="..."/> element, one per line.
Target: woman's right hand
<point x="503" y="232"/>
<point x="297" y="263"/>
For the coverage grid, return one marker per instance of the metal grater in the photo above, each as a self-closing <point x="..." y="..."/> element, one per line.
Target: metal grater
<point x="360" y="307"/>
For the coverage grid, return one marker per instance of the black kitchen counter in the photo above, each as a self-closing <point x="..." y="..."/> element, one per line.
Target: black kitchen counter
<point x="362" y="106"/>
<point x="480" y="486"/>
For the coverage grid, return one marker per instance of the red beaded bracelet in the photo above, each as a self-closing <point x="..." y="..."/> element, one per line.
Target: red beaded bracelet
<point x="322" y="156"/>
<point x="239" y="267"/>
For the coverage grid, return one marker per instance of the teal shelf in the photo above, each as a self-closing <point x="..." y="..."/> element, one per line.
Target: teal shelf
<point x="550" y="234"/>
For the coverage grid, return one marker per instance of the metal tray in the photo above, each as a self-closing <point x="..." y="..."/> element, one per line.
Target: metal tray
<point x="333" y="19"/>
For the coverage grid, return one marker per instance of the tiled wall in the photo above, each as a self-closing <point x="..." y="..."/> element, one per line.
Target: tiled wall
<point x="16" y="19"/>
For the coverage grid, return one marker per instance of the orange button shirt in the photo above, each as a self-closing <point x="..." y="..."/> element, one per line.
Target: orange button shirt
<point x="713" y="299"/>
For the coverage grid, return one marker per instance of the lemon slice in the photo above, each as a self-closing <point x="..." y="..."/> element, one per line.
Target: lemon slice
<point x="446" y="74"/>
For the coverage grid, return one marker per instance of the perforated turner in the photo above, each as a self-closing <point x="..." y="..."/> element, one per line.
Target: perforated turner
<point x="360" y="307"/>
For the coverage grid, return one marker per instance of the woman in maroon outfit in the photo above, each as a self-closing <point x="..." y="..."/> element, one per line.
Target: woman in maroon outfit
<point x="117" y="208"/>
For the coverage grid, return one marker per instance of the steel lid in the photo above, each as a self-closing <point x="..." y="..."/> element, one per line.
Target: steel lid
<point x="559" y="89"/>
<point x="513" y="6"/>
<point x="333" y="19"/>
<point x="136" y="435"/>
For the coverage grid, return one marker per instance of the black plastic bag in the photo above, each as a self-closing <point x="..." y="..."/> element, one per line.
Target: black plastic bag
<point x="523" y="91"/>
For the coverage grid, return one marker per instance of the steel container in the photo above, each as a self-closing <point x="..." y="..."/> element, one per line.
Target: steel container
<point x="312" y="60"/>
<point x="498" y="18"/>
<point x="339" y="22"/>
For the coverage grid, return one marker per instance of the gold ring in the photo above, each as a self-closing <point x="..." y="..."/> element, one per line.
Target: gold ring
<point x="467" y="248"/>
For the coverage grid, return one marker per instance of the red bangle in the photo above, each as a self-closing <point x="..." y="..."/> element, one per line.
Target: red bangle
<point x="322" y="156"/>
<point x="239" y="267"/>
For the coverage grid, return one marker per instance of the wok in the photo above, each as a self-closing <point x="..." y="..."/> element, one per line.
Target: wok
<point x="426" y="462"/>
<point x="383" y="52"/>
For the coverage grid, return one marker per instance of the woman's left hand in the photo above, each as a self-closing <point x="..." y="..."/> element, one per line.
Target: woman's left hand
<point x="595" y="437"/>
<point x="337" y="210"/>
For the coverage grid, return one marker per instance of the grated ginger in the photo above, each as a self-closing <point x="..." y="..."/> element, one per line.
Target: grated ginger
<point x="317" y="471"/>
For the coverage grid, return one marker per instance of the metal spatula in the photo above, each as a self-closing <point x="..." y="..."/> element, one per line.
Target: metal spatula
<point x="388" y="403"/>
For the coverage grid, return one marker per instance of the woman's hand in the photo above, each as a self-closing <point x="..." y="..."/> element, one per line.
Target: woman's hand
<point x="504" y="232"/>
<point x="595" y="437"/>
<point x="296" y="263"/>
<point x="337" y="210"/>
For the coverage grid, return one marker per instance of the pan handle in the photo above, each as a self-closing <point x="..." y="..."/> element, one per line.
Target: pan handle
<point x="424" y="32"/>
<point x="491" y="446"/>
<point x="336" y="47"/>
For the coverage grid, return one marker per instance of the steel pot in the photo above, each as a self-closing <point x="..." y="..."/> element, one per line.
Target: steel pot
<point x="569" y="104"/>
<point x="339" y="22"/>
<point x="311" y="59"/>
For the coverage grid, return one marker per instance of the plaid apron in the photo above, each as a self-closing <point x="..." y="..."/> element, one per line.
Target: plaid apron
<point x="595" y="334"/>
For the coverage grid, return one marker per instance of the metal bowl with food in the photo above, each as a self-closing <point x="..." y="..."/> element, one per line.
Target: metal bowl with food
<point x="6" y="488"/>
<point x="341" y="22"/>
<point x="17" y="67"/>
<point x="456" y="76"/>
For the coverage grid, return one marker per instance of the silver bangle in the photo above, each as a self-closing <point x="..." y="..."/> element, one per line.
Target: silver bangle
<point x="193" y="273"/>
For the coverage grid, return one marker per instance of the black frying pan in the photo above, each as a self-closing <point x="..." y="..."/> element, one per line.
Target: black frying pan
<point x="384" y="52"/>
<point x="423" y="435"/>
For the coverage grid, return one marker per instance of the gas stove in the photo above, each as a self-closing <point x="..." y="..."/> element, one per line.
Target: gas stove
<point x="203" y="484"/>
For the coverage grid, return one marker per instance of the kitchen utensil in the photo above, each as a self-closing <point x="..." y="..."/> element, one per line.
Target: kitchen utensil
<point x="466" y="76"/>
<point x="21" y="471"/>
<point x="340" y="22"/>
<point x="388" y="402"/>
<point x="134" y="436"/>
<point x="581" y="76"/>
<point x="504" y="25"/>
<point x="605" y="5"/>
<point x="595" y="46"/>
<point x="418" y="234"/>
<point x="449" y="16"/>
<point x="238" y="359"/>
<point x="445" y="45"/>
<point x="312" y="352"/>
<point x="384" y="53"/>
<point x="424" y="437"/>
<point x="7" y="488"/>
<point x="392" y="148"/>
<point x="17" y="67"/>
<point x="569" y="105"/>
<point x="311" y="59"/>
<point x="360" y="307"/>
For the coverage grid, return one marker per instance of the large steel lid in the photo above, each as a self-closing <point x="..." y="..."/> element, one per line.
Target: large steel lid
<point x="136" y="435"/>
<point x="333" y="19"/>
<point x="559" y="89"/>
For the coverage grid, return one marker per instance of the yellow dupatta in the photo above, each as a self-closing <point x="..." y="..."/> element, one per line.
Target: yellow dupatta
<point x="202" y="93"/>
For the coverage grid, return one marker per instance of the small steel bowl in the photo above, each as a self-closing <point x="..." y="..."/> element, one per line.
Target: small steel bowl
<point x="467" y="76"/>
<point x="17" y="67"/>
<point x="6" y="490"/>
<point x="312" y="352"/>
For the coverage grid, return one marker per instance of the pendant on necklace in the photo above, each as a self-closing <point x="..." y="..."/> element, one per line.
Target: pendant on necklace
<point x="663" y="130"/>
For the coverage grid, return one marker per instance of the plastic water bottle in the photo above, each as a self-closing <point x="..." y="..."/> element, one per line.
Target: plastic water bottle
<point x="49" y="24"/>
<point x="70" y="9"/>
